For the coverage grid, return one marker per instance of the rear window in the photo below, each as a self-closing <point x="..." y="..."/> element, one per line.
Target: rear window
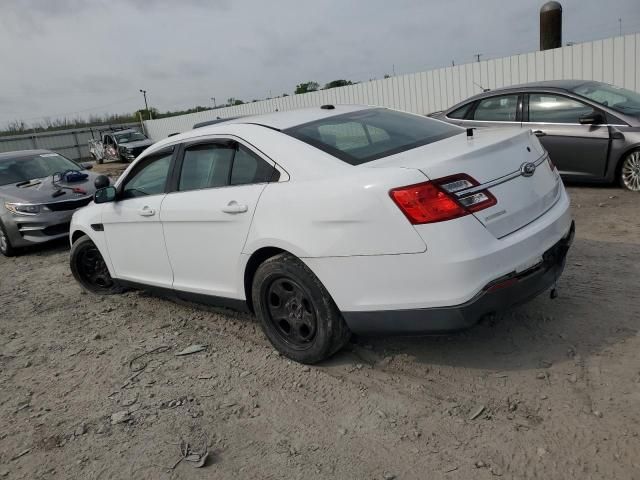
<point x="367" y="135"/>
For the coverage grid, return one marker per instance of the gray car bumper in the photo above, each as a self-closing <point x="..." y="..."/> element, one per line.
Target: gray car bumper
<point x="24" y="230"/>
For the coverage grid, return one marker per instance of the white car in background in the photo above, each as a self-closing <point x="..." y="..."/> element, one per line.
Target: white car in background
<point x="331" y="220"/>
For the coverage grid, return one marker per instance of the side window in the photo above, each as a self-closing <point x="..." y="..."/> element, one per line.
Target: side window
<point x="206" y="166"/>
<point x="550" y="108"/>
<point x="497" y="109"/>
<point x="248" y="168"/>
<point x="150" y="178"/>
<point x="460" y="113"/>
<point x="107" y="140"/>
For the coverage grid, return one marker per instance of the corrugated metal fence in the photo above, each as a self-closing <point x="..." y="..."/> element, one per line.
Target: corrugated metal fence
<point x="613" y="60"/>
<point x="72" y="144"/>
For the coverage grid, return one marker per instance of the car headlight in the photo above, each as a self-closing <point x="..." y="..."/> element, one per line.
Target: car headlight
<point x="24" y="208"/>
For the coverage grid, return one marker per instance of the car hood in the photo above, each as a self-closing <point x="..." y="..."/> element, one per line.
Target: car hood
<point x="136" y="144"/>
<point x="43" y="191"/>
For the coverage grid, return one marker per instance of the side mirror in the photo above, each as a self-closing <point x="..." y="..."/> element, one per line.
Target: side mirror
<point x="101" y="181"/>
<point x="591" y="118"/>
<point x="105" y="195"/>
<point x="87" y="165"/>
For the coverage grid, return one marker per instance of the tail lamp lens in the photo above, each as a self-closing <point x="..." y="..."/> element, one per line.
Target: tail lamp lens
<point x="434" y="201"/>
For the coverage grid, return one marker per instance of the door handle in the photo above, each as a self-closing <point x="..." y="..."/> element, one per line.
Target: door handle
<point x="146" y="211"/>
<point x="235" y="207"/>
<point x="539" y="133"/>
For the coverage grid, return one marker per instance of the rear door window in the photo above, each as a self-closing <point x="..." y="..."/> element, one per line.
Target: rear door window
<point x="460" y="113"/>
<point x="503" y="108"/>
<point x="206" y="166"/>
<point x="249" y="168"/>
<point x="550" y="108"/>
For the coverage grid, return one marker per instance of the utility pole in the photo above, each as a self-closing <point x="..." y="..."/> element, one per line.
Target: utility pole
<point x="453" y="63"/>
<point x="213" y="99"/>
<point x="620" y="22"/>
<point x="477" y="55"/>
<point x="146" y="106"/>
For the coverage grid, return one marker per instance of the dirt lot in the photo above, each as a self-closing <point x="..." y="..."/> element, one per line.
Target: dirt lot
<point x="550" y="390"/>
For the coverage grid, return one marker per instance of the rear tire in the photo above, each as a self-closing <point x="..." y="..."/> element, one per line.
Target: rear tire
<point x="296" y="312"/>
<point x="629" y="176"/>
<point x="90" y="270"/>
<point x="5" y="244"/>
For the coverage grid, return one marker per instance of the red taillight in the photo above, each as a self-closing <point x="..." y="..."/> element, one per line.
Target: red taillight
<point x="436" y="201"/>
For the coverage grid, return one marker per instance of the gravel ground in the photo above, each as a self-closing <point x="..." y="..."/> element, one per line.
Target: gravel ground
<point x="548" y="390"/>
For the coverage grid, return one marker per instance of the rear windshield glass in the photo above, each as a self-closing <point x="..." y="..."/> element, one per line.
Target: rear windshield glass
<point x="366" y="135"/>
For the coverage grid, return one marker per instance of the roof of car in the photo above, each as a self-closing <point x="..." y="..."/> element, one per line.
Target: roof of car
<point x="552" y="84"/>
<point x="22" y="153"/>
<point x="292" y="118"/>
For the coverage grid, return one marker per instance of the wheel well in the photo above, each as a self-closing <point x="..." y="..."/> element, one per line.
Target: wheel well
<point x="620" y="160"/>
<point x="256" y="259"/>
<point x="77" y="235"/>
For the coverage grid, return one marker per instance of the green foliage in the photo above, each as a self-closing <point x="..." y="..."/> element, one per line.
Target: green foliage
<point x="338" y="83"/>
<point x="307" y="87"/>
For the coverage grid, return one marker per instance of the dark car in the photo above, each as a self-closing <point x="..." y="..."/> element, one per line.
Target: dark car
<point x="39" y="191"/>
<point x="590" y="129"/>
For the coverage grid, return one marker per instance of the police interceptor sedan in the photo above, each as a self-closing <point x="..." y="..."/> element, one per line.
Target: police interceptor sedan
<point x="331" y="220"/>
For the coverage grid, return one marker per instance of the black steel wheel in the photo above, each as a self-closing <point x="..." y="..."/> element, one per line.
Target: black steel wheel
<point x="296" y="312"/>
<point x="291" y="313"/>
<point x="90" y="270"/>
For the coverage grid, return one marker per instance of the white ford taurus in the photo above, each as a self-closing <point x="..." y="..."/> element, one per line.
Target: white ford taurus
<point x="331" y="220"/>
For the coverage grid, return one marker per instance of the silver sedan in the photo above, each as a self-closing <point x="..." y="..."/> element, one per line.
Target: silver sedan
<point x="590" y="129"/>
<point x="39" y="191"/>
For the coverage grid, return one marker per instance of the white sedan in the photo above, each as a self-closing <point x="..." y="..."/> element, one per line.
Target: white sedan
<point x="331" y="220"/>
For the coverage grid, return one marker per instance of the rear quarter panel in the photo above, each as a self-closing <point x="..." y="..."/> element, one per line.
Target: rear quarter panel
<point x="350" y="214"/>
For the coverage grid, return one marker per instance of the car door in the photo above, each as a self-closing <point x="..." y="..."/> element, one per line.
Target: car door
<point x="132" y="223"/>
<point x="576" y="149"/>
<point x="206" y="218"/>
<point x="110" y="148"/>
<point x="496" y="111"/>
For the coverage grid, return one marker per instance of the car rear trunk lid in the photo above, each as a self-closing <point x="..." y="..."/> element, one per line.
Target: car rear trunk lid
<point x="510" y="164"/>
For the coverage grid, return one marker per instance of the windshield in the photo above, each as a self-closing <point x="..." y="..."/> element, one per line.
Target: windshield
<point x="129" y="137"/>
<point x="616" y="98"/>
<point x="23" y="169"/>
<point x="366" y="135"/>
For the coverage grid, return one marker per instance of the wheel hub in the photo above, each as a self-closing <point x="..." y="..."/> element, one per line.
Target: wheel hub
<point x="631" y="171"/>
<point x="290" y="312"/>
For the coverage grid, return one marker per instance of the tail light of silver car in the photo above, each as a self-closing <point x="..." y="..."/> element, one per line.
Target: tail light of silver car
<point x="442" y="199"/>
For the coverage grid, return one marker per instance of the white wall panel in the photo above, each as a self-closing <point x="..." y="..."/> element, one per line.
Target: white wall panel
<point x="613" y="60"/>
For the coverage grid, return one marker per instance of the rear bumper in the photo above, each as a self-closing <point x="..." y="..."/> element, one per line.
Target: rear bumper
<point x="498" y="295"/>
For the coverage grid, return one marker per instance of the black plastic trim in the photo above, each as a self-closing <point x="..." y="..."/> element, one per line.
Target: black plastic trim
<point x="212" y="300"/>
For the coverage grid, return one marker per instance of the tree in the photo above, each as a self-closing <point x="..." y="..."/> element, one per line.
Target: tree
<point x="338" y="83"/>
<point x="307" y="87"/>
<point x="234" y="101"/>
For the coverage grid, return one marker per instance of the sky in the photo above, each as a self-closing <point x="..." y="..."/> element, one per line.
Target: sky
<point x="79" y="57"/>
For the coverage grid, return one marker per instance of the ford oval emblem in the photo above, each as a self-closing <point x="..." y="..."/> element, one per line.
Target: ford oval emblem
<point x="527" y="169"/>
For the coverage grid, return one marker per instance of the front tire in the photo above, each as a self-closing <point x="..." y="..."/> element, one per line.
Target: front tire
<point x="5" y="244"/>
<point x="629" y="176"/>
<point x="296" y="312"/>
<point x="90" y="270"/>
